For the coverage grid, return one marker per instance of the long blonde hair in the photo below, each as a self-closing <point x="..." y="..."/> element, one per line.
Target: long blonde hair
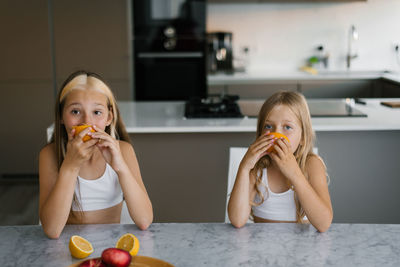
<point x="60" y="136"/>
<point x="298" y="105"/>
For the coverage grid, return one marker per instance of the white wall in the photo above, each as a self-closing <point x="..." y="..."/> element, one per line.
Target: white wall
<point x="282" y="36"/>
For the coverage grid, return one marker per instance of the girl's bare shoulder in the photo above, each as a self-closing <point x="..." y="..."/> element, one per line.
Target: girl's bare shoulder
<point x="125" y="146"/>
<point x="48" y="150"/>
<point x="315" y="165"/>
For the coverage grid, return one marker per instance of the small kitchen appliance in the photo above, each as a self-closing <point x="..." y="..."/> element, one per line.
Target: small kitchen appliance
<point x="220" y="55"/>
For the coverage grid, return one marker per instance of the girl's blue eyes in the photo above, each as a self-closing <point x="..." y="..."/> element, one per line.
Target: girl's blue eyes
<point x="269" y="127"/>
<point x="76" y="112"/>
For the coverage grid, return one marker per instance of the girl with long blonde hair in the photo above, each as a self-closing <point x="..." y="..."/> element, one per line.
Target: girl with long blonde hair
<point x="85" y="181"/>
<point x="279" y="179"/>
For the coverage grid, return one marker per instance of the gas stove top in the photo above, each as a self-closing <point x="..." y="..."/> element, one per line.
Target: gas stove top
<point x="214" y="106"/>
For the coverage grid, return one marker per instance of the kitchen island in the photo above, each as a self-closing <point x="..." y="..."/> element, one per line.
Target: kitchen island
<point x="184" y="162"/>
<point x="215" y="244"/>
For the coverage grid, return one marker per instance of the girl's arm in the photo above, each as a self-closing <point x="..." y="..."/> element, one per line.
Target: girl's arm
<point x="56" y="192"/>
<point x="121" y="157"/>
<point x="313" y="194"/>
<point x="243" y="191"/>
<point x="135" y="194"/>
<point x="57" y="186"/>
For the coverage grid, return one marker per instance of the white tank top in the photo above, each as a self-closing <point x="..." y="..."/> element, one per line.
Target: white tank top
<point x="276" y="206"/>
<point x="101" y="193"/>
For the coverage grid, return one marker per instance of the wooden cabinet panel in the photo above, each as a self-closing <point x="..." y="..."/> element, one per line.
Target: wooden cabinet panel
<point x="93" y="35"/>
<point x="390" y="89"/>
<point x="336" y="88"/>
<point x="25" y="45"/>
<point x="26" y="93"/>
<point x="252" y="91"/>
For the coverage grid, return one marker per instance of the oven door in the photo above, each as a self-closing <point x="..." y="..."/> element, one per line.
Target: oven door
<point x="188" y="17"/>
<point x="170" y="76"/>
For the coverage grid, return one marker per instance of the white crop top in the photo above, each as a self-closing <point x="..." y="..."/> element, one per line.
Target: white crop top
<point x="276" y="206"/>
<point x="101" y="193"/>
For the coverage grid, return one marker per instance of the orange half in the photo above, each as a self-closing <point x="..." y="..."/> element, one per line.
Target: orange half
<point x="278" y="136"/>
<point x="80" y="128"/>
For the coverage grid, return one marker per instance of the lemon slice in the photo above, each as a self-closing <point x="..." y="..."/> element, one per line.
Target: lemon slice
<point x="79" y="247"/>
<point x="128" y="242"/>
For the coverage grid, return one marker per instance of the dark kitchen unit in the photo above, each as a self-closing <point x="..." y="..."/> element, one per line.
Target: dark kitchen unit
<point x="169" y="49"/>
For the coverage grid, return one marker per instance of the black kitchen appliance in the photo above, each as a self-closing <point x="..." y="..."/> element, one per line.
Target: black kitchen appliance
<point x="169" y="49"/>
<point x="220" y="55"/>
<point x="214" y="106"/>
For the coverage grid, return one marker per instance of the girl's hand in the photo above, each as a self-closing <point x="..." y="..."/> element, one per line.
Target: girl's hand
<point x="109" y="148"/>
<point x="285" y="160"/>
<point x="257" y="150"/>
<point x="78" y="151"/>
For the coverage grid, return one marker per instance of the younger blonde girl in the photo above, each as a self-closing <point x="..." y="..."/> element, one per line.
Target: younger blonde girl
<point x="86" y="181"/>
<point x="288" y="184"/>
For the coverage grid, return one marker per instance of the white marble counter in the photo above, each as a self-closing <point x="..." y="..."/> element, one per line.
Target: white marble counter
<point x="167" y="117"/>
<point x="215" y="244"/>
<point x="264" y="76"/>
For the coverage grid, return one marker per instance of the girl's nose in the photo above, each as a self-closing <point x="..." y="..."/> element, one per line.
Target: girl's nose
<point x="86" y="118"/>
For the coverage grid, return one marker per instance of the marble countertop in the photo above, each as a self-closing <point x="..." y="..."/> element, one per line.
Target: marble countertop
<point x="168" y="117"/>
<point x="215" y="244"/>
<point x="268" y="76"/>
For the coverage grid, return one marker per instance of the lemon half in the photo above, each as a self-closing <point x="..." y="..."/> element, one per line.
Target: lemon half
<point x="79" y="247"/>
<point x="128" y="242"/>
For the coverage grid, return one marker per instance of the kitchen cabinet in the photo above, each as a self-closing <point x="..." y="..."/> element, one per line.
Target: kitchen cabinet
<point x="389" y="88"/>
<point x="320" y="88"/>
<point x="91" y="35"/>
<point x="252" y="91"/>
<point x="282" y="1"/>
<point x="96" y="39"/>
<point x="337" y="88"/>
<point x="26" y="92"/>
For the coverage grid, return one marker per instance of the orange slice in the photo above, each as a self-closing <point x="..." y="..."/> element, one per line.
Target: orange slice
<point x="276" y="135"/>
<point x="80" y="128"/>
<point x="79" y="247"/>
<point x="128" y="242"/>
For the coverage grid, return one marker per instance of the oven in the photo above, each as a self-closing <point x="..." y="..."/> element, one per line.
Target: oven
<point x="169" y="49"/>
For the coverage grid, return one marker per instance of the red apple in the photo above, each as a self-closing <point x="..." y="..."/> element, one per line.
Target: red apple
<point x="92" y="263"/>
<point x="116" y="257"/>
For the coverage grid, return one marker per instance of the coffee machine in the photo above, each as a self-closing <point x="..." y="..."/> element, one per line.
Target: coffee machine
<point x="219" y="58"/>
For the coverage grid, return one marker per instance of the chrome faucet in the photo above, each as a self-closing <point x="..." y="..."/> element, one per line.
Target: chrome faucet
<point x="353" y="36"/>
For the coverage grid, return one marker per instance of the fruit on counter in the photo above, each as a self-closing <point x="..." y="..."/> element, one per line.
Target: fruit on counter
<point x="276" y="135"/>
<point x="93" y="263"/>
<point x="79" y="247"/>
<point x="116" y="257"/>
<point x="128" y="242"/>
<point x="309" y="70"/>
<point x="80" y="128"/>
